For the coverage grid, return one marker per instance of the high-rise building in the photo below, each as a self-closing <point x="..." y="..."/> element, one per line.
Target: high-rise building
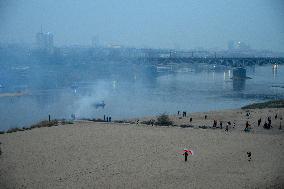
<point x="49" y="41"/>
<point x="44" y="41"/>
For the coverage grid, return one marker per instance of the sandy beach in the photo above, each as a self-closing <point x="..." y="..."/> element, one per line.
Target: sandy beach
<point x="119" y="155"/>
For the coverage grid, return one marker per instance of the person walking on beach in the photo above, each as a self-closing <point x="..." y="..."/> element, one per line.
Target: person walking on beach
<point x="109" y="119"/>
<point x="178" y="112"/>
<point x="221" y="125"/>
<point x="227" y="127"/>
<point x="269" y="121"/>
<point x="258" y="122"/>
<point x="249" y="156"/>
<point x="190" y="120"/>
<point x="247" y="126"/>
<point x="185" y="155"/>
<point x="214" y="124"/>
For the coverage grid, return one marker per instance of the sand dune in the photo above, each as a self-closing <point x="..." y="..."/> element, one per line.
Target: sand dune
<point x="112" y="155"/>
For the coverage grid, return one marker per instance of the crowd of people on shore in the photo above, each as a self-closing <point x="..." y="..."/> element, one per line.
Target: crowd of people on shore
<point x="183" y="113"/>
<point x="107" y="118"/>
<point x="247" y="127"/>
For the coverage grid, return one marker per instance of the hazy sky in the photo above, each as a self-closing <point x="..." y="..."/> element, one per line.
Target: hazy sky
<point x="147" y="23"/>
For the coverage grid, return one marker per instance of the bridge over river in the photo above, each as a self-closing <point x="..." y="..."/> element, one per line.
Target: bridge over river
<point x="226" y="61"/>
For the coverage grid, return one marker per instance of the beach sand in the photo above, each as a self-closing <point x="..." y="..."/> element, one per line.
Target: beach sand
<point x="116" y="155"/>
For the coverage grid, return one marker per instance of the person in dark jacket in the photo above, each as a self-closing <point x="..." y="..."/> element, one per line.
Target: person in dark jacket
<point x="258" y="122"/>
<point x="185" y="155"/>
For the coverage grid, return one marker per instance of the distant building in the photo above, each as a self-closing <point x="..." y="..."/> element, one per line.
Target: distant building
<point x="242" y="46"/>
<point x="44" y="41"/>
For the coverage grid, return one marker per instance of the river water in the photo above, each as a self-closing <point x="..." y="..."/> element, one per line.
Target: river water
<point x="128" y="90"/>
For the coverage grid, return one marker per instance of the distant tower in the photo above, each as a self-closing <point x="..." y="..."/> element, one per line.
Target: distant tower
<point x="44" y="41"/>
<point x="40" y="39"/>
<point x="49" y="42"/>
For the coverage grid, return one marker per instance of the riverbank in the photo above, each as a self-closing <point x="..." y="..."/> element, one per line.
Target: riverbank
<point x="12" y="94"/>
<point x="268" y="104"/>
<point x="90" y="154"/>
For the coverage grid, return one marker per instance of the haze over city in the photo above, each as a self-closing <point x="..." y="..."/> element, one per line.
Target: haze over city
<point x="184" y="24"/>
<point x="141" y="94"/>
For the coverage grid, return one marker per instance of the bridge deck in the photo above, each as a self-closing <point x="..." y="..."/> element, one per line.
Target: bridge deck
<point x="221" y="60"/>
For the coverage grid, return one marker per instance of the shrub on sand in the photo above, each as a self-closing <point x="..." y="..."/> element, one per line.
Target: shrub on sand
<point x="63" y="122"/>
<point x="186" y="126"/>
<point x="163" y="120"/>
<point x="45" y="124"/>
<point x="11" y="130"/>
<point x="203" y="127"/>
<point x="38" y="125"/>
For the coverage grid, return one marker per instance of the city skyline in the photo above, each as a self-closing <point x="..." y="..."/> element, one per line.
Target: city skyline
<point x="167" y="24"/>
